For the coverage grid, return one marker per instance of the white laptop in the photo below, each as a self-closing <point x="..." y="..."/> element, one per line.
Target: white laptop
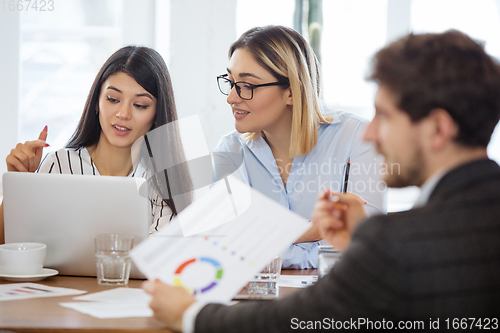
<point x="66" y="211"/>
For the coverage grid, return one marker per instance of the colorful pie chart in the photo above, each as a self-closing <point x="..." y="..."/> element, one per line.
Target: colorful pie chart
<point x="218" y="274"/>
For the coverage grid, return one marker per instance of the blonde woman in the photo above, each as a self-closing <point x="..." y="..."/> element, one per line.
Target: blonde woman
<point x="293" y="147"/>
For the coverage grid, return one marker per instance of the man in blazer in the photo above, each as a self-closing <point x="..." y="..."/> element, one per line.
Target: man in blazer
<point x="436" y="266"/>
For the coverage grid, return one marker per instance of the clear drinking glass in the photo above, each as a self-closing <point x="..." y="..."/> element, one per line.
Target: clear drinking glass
<point x="112" y="258"/>
<point x="265" y="282"/>
<point x="327" y="257"/>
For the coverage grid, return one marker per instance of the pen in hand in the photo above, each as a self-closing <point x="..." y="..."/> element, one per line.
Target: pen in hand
<point x="346" y="177"/>
<point x="337" y="212"/>
<point x="346" y="182"/>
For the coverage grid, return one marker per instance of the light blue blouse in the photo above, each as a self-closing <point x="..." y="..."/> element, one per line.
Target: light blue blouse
<point x="312" y="174"/>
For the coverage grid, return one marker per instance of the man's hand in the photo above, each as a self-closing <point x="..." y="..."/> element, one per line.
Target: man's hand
<point x="336" y="215"/>
<point x="168" y="303"/>
<point x="26" y="156"/>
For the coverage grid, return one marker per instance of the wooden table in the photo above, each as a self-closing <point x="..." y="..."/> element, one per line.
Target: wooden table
<point x="46" y="315"/>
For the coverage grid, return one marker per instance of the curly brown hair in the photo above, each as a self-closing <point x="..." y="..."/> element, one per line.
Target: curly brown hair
<point x="446" y="70"/>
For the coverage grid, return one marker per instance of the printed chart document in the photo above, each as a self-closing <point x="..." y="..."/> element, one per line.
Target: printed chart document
<point x="15" y="291"/>
<point x="248" y="231"/>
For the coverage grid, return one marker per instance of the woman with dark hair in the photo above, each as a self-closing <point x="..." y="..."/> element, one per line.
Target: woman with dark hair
<point x="131" y="95"/>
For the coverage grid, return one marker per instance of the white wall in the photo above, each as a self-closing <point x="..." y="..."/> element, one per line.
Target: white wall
<point x="9" y="83"/>
<point x="138" y="22"/>
<point x="200" y="35"/>
<point x="398" y="19"/>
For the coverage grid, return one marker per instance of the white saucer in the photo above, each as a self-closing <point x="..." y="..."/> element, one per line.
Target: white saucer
<point x="45" y="273"/>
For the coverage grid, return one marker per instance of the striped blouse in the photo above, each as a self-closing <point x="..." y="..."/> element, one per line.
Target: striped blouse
<point x="79" y="162"/>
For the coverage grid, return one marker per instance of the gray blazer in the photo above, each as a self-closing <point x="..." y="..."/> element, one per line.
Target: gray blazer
<point x="438" y="261"/>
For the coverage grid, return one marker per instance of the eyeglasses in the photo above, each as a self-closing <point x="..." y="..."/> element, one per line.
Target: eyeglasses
<point x="243" y="89"/>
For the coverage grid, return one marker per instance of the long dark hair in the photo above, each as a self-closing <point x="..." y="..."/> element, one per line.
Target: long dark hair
<point x="148" y="69"/>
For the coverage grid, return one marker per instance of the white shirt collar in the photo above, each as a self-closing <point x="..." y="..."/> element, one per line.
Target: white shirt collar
<point x="427" y="188"/>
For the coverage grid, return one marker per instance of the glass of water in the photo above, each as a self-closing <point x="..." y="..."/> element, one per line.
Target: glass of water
<point x="112" y="258"/>
<point x="327" y="257"/>
<point x="265" y="282"/>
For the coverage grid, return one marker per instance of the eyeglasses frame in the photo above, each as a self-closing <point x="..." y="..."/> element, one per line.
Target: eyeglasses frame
<point x="252" y="86"/>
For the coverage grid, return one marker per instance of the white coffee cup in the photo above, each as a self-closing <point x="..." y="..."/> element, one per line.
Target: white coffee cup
<point x="22" y="258"/>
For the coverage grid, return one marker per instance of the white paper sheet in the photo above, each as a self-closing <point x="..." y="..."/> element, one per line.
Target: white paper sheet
<point x="214" y="265"/>
<point x="111" y="309"/>
<point x="114" y="303"/>
<point x="232" y="199"/>
<point x="128" y="295"/>
<point x="295" y="281"/>
<point x="15" y="291"/>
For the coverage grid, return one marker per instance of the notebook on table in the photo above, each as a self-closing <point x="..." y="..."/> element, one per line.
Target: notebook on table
<point x="66" y="211"/>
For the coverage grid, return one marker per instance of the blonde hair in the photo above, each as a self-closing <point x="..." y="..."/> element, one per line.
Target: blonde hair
<point x="286" y="55"/>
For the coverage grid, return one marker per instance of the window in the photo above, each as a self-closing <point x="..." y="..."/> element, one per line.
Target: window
<point x="61" y="52"/>
<point x="347" y="44"/>
<point x="354" y="31"/>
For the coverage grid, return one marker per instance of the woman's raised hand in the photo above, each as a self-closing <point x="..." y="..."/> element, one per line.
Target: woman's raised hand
<point x="27" y="156"/>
